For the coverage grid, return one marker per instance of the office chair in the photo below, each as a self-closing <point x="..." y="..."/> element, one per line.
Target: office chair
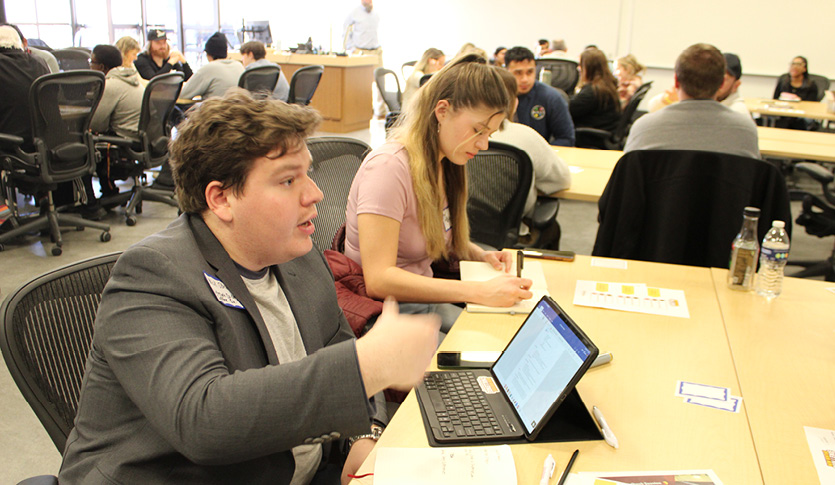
<point x="424" y="79"/>
<point x="684" y="206"/>
<point x="72" y="59"/>
<point x="151" y="149"/>
<point x="303" y="84"/>
<point x="389" y="87"/>
<point x="335" y="161"/>
<point x="499" y="180"/>
<point x="407" y="68"/>
<point x="608" y="140"/>
<point x="261" y="80"/>
<point x="61" y="106"/>
<point x="47" y="331"/>
<point x="818" y="218"/>
<point x="564" y="73"/>
<point x="822" y="83"/>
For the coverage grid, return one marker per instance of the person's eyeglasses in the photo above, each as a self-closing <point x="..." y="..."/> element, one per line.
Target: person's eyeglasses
<point x="801" y="64"/>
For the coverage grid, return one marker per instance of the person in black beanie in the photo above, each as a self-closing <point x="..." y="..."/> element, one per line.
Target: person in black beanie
<point x="218" y="75"/>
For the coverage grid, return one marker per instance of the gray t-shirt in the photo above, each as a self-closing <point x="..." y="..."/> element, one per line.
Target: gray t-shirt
<point x="284" y="333"/>
<point x="695" y="124"/>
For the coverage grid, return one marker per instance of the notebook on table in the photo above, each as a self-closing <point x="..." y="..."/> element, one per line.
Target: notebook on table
<point x="517" y="396"/>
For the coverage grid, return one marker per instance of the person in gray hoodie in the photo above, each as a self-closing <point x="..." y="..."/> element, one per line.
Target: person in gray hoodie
<point x="121" y="103"/>
<point x="216" y="77"/>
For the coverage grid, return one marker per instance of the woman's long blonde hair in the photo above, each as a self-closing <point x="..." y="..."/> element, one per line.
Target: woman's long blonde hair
<point x="466" y="82"/>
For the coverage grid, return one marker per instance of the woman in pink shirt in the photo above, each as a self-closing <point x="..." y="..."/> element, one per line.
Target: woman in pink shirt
<point x="408" y="203"/>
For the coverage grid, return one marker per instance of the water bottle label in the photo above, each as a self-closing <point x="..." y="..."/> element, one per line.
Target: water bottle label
<point x="774" y="254"/>
<point x="742" y="267"/>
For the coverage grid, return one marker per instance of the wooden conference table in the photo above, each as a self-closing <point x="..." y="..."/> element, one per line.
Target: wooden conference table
<point x="772" y="109"/>
<point x="777" y="356"/>
<point x="591" y="169"/>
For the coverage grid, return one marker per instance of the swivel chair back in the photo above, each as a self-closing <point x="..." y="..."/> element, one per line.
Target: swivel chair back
<point x="72" y="59"/>
<point x="564" y="73"/>
<point x="303" y="84"/>
<point x="46" y="334"/>
<point x="261" y="80"/>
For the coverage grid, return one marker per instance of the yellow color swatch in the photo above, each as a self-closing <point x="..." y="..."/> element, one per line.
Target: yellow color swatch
<point x="628" y="290"/>
<point x="654" y="292"/>
<point x="602" y="287"/>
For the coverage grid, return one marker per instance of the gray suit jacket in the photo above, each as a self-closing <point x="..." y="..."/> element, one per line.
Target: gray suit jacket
<point x="180" y="388"/>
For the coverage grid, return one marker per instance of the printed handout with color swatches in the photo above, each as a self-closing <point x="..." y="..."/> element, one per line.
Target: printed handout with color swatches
<point x="631" y="297"/>
<point x="672" y="477"/>
<point x="481" y="271"/>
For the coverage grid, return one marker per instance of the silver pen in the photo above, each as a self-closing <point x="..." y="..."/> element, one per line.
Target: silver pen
<point x="608" y="435"/>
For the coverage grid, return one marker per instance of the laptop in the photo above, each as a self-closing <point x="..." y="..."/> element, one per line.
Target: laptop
<point x="516" y="397"/>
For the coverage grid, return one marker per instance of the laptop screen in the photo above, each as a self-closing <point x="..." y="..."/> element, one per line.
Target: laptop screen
<point x="540" y="362"/>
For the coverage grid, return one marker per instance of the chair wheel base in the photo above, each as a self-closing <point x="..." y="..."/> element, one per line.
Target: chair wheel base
<point x="56" y="250"/>
<point x="105" y="236"/>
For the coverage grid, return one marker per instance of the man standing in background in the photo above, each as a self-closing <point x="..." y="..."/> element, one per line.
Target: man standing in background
<point x="360" y="35"/>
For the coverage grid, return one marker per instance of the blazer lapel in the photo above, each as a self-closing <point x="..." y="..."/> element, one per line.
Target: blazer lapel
<point x="288" y="278"/>
<point x="229" y="275"/>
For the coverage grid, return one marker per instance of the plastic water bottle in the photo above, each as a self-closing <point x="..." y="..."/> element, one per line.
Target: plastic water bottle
<point x="744" y="251"/>
<point x="773" y="257"/>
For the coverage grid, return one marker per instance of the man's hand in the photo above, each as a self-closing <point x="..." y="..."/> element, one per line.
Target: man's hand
<point x="359" y="452"/>
<point x="175" y="56"/>
<point x="397" y="350"/>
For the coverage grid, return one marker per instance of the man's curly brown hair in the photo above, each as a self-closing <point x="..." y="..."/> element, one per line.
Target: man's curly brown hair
<point x="222" y="137"/>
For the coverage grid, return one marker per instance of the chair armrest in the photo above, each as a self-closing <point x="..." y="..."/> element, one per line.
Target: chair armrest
<point x="593" y="132"/>
<point x="113" y="140"/>
<point x="817" y="172"/>
<point x="10" y="142"/>
<point x="544" y="212"/>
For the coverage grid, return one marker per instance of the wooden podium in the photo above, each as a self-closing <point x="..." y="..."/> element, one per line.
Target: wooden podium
<point x="344" y="93"/>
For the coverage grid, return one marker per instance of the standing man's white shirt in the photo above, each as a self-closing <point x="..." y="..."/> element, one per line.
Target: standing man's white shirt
<point x="361" y="29"/>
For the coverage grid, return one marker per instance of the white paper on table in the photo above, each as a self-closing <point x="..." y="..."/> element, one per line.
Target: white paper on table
<point x="822" y="446"/>
<point x="481" y="271"/>
<point x="631" y="297"/>
<point x="482" y="465"/>
<point x="609" y="263"/>
<point x="574" y="169"/>
<point x="732" y="404"/>
<point x="694" y="389"/>
<point x="831" y="289"/>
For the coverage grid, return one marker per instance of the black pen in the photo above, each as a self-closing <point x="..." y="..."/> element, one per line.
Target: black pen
<point x="520" y="263"/>
<point x="568" y="467"/>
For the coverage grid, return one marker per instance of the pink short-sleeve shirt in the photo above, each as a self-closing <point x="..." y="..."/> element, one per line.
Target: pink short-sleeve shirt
<point x="383" y="186"/>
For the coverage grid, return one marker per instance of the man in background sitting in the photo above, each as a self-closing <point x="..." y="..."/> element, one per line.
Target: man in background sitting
<point x="216" y="77"/>
<point x="159" y="58"/>
<point x="541" y="106"/>
<point x="253" y="55"/>
<point x="698" y="121"/>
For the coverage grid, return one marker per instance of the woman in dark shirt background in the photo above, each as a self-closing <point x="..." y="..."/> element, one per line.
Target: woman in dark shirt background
<point x="795" y="85"/>
<point x="597" y="104"/>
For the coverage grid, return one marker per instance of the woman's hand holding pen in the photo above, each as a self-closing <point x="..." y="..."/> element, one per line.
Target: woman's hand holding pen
<point x="503" y="291"/>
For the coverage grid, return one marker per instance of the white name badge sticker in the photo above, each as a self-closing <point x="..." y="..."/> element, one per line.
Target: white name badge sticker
<point x="222" y="293"/>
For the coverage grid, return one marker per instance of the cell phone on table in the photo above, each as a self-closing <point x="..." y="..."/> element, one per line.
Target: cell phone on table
<point x="467" y="359"/>
<point x="549" y="254"/>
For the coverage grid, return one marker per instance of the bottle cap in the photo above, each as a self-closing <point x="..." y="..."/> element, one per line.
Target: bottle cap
<point x="779" y="224"/>
<point x="751" y="212"/>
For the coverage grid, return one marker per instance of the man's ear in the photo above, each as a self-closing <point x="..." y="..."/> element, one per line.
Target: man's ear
<point x="676" y="84"/>
<point x="217" y="198"/>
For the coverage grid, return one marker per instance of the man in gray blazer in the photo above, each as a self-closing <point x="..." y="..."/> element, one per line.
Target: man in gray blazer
<point x="220" y="354"/>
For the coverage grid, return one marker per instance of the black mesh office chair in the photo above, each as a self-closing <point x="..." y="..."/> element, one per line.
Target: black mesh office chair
<point x="47" y="331"/>
<point x="822" y="83"/>
<point x="424" y="79"/>
<point x="564" y="73"/>
<point x="685" y="207"/>
<point x="613" y="140"/>
<point x="499" y="179"/>
<point x="817" y="216"/>
<point x="61" y="106"/>
<point x="261" y="80"/>
<point x="72" y="59"/>
<point x="303" y="84"/>
<point x="335" y="162"/>
<point x="151" y="149"/>
<point x="389" y="87"/>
